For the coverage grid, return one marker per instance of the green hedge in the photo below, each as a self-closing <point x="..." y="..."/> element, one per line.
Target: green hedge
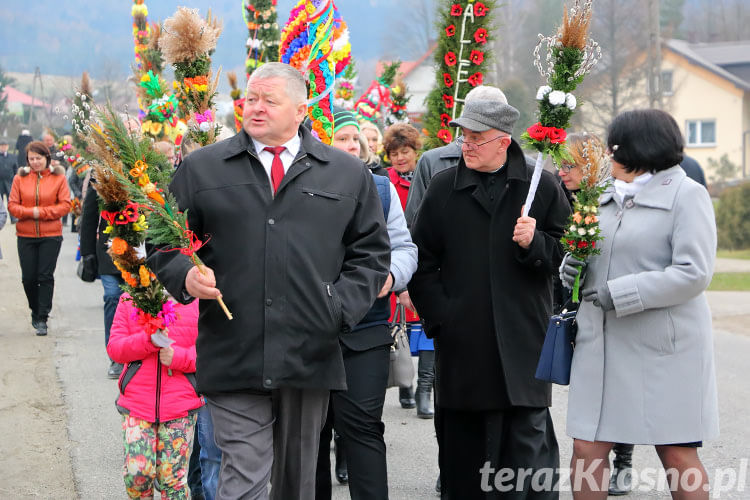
<point x="733" y="218"/>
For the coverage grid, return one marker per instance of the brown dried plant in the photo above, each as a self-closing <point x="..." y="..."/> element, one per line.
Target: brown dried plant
<point x="186" y="36"/>
<point x="589" y="154"/>
<point x="575" y="26"/>
<point x="153" y="41"/>
<point x="85" y="84"/>
<point x="235" y="93"/>
<point x="129" y="259"/>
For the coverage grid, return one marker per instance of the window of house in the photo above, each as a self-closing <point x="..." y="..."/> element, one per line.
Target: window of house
<point x="701" y="132"/>
<point x="666" y="83"/>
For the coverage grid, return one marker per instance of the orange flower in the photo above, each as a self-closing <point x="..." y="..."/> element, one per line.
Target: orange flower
<point x="577" y="217"/>
<point x="129" y="279"/>
<point x="119" y="246"/>
<point x="200" y="80"/>
<point x="590" y="219"/>
<point x="144" y="275"/>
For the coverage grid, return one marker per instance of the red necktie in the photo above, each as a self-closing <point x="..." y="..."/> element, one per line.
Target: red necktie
<point x="277" y="168"/>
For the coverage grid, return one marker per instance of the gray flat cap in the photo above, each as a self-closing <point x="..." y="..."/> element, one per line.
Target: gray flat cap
<point x="479" y="115"/>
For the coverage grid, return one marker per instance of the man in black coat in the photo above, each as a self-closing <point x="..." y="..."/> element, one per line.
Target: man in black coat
<point x="93" y="243"/>
<point x="483" y="288"/>
<point x="295" y="239"/>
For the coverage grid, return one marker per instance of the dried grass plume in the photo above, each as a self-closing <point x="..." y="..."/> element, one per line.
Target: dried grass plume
<point x="187" y="36"/>
<point x="85" y="84"/>
<point x="575" y="27"/>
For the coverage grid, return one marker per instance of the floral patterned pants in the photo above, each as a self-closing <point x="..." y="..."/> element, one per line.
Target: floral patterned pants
<point x="157" y="452"/>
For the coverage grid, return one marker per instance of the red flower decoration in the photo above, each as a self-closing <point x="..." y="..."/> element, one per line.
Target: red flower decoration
<point x="582" y="244"/>
<point x="131" y="212"/>
<point x="447" y="80"/>
<point x="448" y="101"/>
<point x="537" y="132"/>
<point x="456" y="10"/>
<point x="450" y="30"/>
<point x="476" y="56"/>
<point x="476" y="79"/>
<point x="445" y="135"/>
<point x="450" y="58"/>
<point x="480" y="9"/>
<point x="480" y="36"/>
<point x="445" y="119"/>
<point x="556" y="135"/>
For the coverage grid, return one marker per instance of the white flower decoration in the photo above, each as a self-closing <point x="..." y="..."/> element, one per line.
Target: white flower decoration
<point x="543" y="91"/>
<point x="573" y="229"/>
<point x="205" y="126"/>
<point x="570" y="101"/>
<point x="592" y="231"/>
<point x="582" y="231"/>
<point x="557" y="97"/>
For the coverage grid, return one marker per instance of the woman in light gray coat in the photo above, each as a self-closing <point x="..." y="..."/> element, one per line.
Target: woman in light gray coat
<point x="643" y="367"/>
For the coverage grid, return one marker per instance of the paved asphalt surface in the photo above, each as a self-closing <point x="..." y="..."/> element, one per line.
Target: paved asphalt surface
<point x="94" y="433"/>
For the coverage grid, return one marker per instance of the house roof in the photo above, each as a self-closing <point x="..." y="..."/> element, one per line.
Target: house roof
<point x="712" y="55"/>
<point x="16" y="96"/>
<point x="407" y="66"/>
<point x="724" y="53"/>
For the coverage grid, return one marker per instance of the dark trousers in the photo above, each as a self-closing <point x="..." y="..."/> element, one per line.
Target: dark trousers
<point x="476" y="445"/>
<point x="357" y="418"/>
<point x="38" y="257"/>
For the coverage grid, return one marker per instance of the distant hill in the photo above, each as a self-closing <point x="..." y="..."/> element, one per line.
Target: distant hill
<point x="66" y="37"/>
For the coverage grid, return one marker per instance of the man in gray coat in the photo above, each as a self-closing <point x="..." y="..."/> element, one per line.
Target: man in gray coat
<point x="8" y="169"/>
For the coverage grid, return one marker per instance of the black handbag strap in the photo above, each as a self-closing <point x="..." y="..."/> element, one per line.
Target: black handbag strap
<point x="399" y="318"/>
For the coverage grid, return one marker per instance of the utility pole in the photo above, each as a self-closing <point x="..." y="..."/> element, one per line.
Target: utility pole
<point x="654" y="54"/>
<point x="37" y="76"/>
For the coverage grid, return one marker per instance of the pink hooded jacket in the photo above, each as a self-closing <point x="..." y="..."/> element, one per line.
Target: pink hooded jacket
<point x="147" y="391"/>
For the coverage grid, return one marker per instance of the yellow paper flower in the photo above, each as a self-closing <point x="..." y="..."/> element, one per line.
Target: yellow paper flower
<point x="140" y="224"/>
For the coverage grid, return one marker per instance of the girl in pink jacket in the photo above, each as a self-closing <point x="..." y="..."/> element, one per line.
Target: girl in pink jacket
<point x="158" y="401"/>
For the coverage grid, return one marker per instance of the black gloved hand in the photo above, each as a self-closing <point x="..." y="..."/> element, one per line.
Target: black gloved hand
<point x="569" y="269"/>
<point x="600" y="296"/>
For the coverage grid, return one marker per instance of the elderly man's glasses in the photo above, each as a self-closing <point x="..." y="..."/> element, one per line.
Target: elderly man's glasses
<point x="473" y="146"/>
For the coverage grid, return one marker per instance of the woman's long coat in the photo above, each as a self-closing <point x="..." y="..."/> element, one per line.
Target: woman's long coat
<point x="644" y="372"/>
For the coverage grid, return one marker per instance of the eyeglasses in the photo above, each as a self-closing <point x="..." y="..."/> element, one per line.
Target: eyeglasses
<point x="567" y="167"/>
<point x="473" y="146"/>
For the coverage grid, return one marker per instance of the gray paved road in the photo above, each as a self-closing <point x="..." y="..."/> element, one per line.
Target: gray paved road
<point x="94" y="425"/>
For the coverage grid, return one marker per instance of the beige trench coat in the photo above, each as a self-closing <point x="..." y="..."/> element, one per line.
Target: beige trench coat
<point x="644" y="372"/>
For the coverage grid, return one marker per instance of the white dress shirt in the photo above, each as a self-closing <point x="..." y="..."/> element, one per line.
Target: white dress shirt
<point x="287" y="156"/>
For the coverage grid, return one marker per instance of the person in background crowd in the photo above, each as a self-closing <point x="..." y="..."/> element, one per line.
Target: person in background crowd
<point x="157" y="436"/>
<point x="373" y="135"/>
<point x="93" y="244"/>
<point x="402" y="144"/>
<point x="372" y="161"/>
<point x="324" y="257"/>
<point x="644" y="311"/>
<point x="356" y="414"/>
<point x="3" y="218"/>
<point x="483" y="288"/>
<point x="693" y="170"/>
<point x="167" y="149"/>
<point x="23" y="140"/>
<point x="39" y="197"/>
<point x="8" y="170"/>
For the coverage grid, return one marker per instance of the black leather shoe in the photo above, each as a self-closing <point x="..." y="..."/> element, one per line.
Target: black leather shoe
<point x="438" y="485"/>
<point x="406" y="397"/>
<point x="342" y="475"/>
<point x="41" y="328"/>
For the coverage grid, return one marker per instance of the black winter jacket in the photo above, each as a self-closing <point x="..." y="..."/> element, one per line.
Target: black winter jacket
<point x="484" y="299"/>
<point x="91" y="231"/>
<point x="296" y="270"/>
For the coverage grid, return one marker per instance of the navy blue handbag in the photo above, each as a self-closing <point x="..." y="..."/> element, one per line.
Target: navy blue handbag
<point x="557" y="351"/>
